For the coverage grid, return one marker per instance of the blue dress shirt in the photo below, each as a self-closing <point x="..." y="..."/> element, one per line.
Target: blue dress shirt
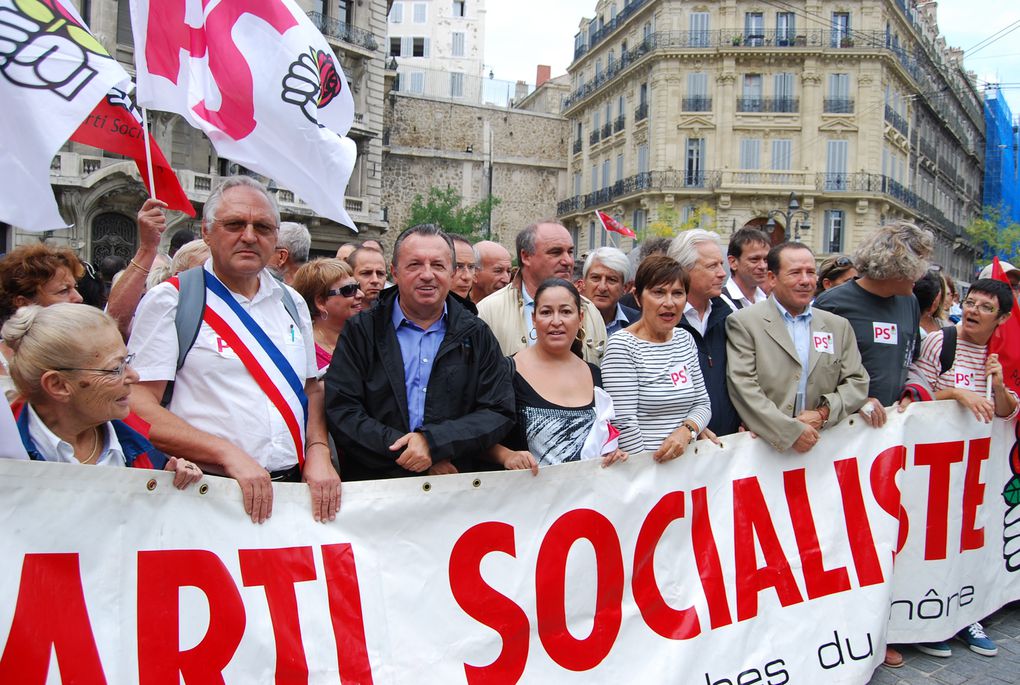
<point x="800" y="331"/>
<point x="418" y="348"/>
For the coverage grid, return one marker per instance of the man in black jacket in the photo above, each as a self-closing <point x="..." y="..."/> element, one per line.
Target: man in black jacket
<point x="417" y="384"/>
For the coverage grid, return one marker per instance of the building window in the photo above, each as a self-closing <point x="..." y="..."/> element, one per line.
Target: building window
<point x="456" y="84"/>
<point x="782" y="154"/>
<point x="577" y="183"/>
<point x="458" y="8"/>
<point x="619" y="168"/>
<point x="750" y="153"/>
<point x="694" y="174"/>
<point x="786" y="28"/>
<point x="397" y="13"/>
<point x="785" y="100"/>
<point x="591" y="236"/>
<point x="700" y="37"/>
<point x="394" y="47"/>
<point x="605" y="173"/>
<point x="839" y="100"/>
<point x="124" y="35"/>
<point x="421" y="13"/>
<point x="642" y="158"/>
<point x="647" y="33"/>
<point x="594" y="177"/>
<point x="639" y="221"/>
<point x="419" y="47"/>
<point x="754" y="29"/>
<point x="697" y="99"/>
<point x="835" y="165"/>
<point x="417" y="82"/>
<point x="457" y="46"/>
<point x="833" y="230"/>
<point x="751" y="93"/>
<point x="841" y="30"/>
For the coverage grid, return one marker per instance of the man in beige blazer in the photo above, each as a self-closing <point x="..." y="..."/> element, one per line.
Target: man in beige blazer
<point x="793" y="369"/>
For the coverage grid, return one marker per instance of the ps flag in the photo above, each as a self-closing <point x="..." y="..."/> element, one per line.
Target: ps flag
<point x="260" y="81"/>
<point x="52" y="73"/>
<point x="1005" y="340"/>
<point x="611" y="224"/>
<point x="115" y="125"/>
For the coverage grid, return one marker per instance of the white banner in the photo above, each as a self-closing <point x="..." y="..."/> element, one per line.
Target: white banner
<point x="730" y="565"/>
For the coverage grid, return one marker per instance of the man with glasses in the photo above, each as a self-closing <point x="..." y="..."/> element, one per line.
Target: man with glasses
<point x="245" y="401"/>
<point x="417" y="384"/>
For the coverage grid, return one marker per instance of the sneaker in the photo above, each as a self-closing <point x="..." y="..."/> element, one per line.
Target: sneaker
<point x="893" y="659"/>
<point x="974" y="636"/>
<point x="941" y="650"/>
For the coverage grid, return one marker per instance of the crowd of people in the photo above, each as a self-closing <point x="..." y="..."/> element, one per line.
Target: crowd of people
<point x="240" y="357"/>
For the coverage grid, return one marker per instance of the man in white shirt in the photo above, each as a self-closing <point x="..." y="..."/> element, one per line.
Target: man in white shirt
<point x="746" y="254"/>
<point x="245" y="402"/>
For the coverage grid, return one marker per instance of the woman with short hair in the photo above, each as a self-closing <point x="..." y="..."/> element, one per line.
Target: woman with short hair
<point x="72" y="368"/>
<point x="333" y="296"/>
<point x="651" y="368"/>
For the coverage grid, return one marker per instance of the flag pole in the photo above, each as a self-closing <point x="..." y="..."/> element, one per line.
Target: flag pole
<point x="148" y="155"/>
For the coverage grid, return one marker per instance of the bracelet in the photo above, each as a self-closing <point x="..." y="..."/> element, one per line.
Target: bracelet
<point x="317" y="442"/>
<point x="691" y="426"/>
<point x="138" y="266"/>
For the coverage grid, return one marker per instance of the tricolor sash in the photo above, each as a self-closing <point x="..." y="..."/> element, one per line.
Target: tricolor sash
<point x="267" y="365"/>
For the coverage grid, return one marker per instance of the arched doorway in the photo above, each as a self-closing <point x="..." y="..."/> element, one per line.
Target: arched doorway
<point x="113" y="234"/>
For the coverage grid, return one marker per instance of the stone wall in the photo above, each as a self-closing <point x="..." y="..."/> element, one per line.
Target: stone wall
<point x="443" y="144"/>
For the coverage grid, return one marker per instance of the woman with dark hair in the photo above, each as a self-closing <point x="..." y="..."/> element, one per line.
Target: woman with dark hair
<point x="651" y="368"/>
<point x="833" y="271"/>
<point x="34" y="274"/>
<point x="562" y="412"/>
<point x="928" y="292"/>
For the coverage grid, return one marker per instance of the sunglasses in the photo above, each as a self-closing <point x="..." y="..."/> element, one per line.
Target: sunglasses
<point x="348" y="290"/>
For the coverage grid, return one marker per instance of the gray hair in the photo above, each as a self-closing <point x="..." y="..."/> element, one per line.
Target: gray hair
<point x="897" y="250"/>
<point x="611" y="258"/>
<point x="684" y="248"/>
<point x="296" y="239"/>
<point x="457" y="238"/>
<point x="47" y="338"/>
<point x="525" y="241"/>
<point x="213" y="203"/>
<point x="423" y="230"/>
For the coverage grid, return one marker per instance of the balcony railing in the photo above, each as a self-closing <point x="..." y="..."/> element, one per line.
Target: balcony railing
<point x="335" y="28"/>
<point x="607" y="129"/>
<point x="697" y="104"/>
<point x="660" y="181"/>
<point x="641" y="113"/>
<point x="578" y="144"/>
<point x="928" y="150"/>
<point x="619" y="124"/>
<point x="593" y="137"/>
<point x="838" y="105"/>
<point x="602" y="33"/>
<point x="770" y="105"/>
<point x="895" y="120"/>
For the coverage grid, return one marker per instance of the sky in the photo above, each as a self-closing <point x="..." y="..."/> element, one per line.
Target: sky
<point x="521" y="34"/>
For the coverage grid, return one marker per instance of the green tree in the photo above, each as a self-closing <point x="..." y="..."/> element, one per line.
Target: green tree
<point x="668" y="223"/>
<point x="446" y="209"/>
<point x="992" y="234"/>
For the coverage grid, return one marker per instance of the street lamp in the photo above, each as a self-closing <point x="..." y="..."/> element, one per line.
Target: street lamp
<point x="792" y="211"/>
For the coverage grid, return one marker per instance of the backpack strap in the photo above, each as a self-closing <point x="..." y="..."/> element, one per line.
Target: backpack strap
<point x="948" y="354"/>
<point x="288" y="304"/>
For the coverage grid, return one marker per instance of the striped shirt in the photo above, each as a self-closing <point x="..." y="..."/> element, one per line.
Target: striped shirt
<point x="966" y="373"/>
<point x="654" y="386"/>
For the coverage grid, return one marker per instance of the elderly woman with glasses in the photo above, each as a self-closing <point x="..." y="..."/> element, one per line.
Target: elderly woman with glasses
<point x="71" y="366"/>
<point x="333" y="296"/>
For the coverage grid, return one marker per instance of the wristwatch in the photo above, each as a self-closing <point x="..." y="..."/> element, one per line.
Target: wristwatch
<point x="823" y="409"/>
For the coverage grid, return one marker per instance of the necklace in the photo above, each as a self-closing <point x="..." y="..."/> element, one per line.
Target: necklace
<point x="322" y="343"/>
<point x="95" y="446"/>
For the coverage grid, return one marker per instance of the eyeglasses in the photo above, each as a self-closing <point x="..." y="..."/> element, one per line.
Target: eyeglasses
<point x="466" y="267"/>
<point x="238" y="226"/>
<point x="119" y="371"/>
<point x="349" y="290"/>
<point x="982" y="307"/>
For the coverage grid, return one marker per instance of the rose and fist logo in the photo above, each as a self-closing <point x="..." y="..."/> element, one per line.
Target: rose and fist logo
<point x="312" y="81"/>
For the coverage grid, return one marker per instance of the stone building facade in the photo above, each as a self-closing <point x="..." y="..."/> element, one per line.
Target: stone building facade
<point x="99" y="193"/>
<point x="446" y="144"/>
<point x="856" y="106"/>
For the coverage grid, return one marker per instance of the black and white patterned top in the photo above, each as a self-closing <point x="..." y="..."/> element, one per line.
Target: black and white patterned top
<point x="552" y="433"/>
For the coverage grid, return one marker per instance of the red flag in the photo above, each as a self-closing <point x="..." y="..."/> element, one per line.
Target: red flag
<point x="611" y="224"/>
<point x="115" y="126"/>
<point x="1005" y="341"/>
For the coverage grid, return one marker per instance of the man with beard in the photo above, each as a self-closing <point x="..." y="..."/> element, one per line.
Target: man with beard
<point x="544" y="250"/>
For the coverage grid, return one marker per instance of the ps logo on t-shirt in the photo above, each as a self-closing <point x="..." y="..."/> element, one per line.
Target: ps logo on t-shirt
<point x="822" y="342"/>
<point x="679" y="376"/>
<point x="885" y="333"/>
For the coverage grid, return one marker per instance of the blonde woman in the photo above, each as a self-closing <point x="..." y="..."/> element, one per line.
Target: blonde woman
<point x="71" y="366"/>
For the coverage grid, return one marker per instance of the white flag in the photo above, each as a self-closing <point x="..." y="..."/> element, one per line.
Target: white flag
<point x="260" y="80"/>
<point x="52" y="73"/>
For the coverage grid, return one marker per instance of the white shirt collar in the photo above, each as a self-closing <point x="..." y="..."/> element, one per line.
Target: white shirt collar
<point x="735" y="293"/>
<point x="268" y="286"/>
<point x="53" y="448"/>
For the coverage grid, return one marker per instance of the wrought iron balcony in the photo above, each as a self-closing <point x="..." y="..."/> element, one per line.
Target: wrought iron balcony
<point x="593" y="137"/>
<point x="697" y="104"/>
<point x="771" y="105"/>
<point x="838" y="105"/>
<point x="607" y="129"/>
<point x="335" y="28"/>
<point x="578" y="144"/>
<point x="895" y="120"/>
<point x="660" y="181"/>
<point x="641" y="113"/>
<point x="619" y="124"/>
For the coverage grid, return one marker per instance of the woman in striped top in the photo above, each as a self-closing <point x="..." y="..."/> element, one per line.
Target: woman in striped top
<point x="651" y="370"/>
<point x="988" y="304"/>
